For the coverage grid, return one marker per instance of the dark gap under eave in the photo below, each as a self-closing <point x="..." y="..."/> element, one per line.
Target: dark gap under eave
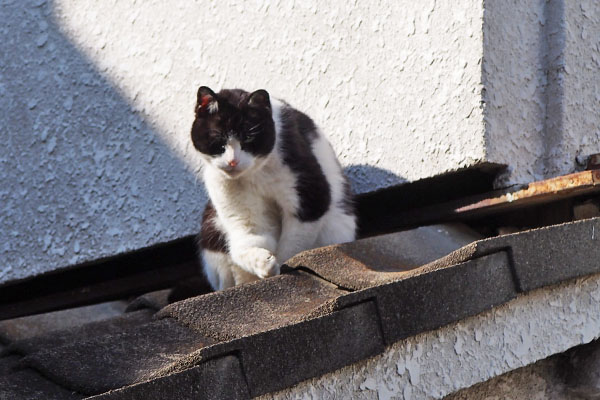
<point x="167" y="264"/>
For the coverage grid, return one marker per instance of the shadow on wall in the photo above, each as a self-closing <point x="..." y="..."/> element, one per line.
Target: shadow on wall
<point x="365" y="178"/>
<point x="82" y="175"/>
<point x="552" y="58"/>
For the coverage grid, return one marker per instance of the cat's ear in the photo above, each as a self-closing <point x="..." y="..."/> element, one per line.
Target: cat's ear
<point x="207" y="101"/>
<point x="260" y="99"/>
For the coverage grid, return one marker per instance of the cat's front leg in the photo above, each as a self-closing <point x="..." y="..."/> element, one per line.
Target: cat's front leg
<point x="258" y="261"/>
<point x="250" y="228"/>
<point x="252" y="247"/>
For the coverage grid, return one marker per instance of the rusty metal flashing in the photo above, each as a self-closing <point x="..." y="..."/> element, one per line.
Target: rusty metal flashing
<point x="580" y="183"/>
<point x="499" y="202"/>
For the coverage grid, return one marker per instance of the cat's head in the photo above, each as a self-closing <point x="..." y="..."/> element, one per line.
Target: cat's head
<point x="233" y="129"/>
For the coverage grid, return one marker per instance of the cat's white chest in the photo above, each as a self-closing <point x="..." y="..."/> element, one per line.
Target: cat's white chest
<point x="272" y="185"/>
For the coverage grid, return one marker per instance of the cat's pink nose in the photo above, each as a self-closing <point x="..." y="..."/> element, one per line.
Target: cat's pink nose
<point x="233" y="163"/>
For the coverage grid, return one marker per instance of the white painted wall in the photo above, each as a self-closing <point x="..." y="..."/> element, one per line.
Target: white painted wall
<point x="96" y="103"/>
<point x="97" y="97"/>
<point x="541" y="74"/>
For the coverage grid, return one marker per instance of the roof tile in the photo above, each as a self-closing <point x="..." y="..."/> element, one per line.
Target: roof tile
<point x="217" y="379"/>
<point x="424" y="301"/>
<point x="543" y="256"/>
<point x="281" y="358"/>
<point x="8" y="363"/>
<point x="547" y="256"/>
<point x="97" y="364"/>
<point x="52" y="339"/>
<point x="278" y="358"/>
<point x="255" y="307"/>
<point x="29" y="385"/>
<point x="374" y="261"/>
<point x="34" y="325"/>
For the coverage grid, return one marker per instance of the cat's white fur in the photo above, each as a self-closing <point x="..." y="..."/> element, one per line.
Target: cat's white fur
<point x="257" y="210"/>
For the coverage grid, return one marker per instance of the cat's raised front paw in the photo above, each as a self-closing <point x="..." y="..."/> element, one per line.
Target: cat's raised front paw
<point x="260" y="262"/>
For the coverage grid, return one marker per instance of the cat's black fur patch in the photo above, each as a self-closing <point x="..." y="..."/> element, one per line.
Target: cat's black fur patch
<point x="242" y="115"/>
<point x="306" y="126"/>
<point x="211" y="237"/>
<point x="297" y="132"/>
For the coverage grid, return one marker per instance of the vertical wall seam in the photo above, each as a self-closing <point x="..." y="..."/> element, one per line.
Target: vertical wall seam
<point x="552" y="62"/>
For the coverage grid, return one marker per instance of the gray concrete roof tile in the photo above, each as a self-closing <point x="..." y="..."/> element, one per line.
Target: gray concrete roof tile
<point x="29" y="385"/>
<point x="255" y="307"/>
<point x="543" y="256"/>
<point x="34" y="325"/>
<point x="278" y="358"/>
<point x="216" y="379"/>
<point x="422" y="301"/>
<point x="96" y="364"/>
<point x="377" y="260"/>
<point x="57" y="338"/>
<point x="281" y="358"/>
<point x="8" y="363"/>
<point x="550" y="255"/>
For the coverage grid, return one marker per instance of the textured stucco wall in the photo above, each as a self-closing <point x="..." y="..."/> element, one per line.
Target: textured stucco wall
<point x="580" y="78"/>
<point x="539" y="381"/>
<point x="82" y="173"/>
<point x="96" y="105"/>
<point x="96" y="102"/>
<point x="437" y="363"/>
<point x="541" y="76"/>
<point x="514" y="80"/>
<point x="389" y="82"/>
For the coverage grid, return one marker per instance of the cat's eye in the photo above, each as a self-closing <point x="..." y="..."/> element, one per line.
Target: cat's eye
<point x="249" y="138"/>
<point x="217" y="148"/>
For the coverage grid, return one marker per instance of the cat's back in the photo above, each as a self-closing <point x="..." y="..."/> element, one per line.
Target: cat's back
<point x="306" y="151"/>
<point x="297" y="133"/>
<point x="296" y="123"/>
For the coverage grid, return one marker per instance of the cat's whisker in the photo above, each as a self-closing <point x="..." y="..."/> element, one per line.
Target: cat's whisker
<point x="255" y="127"/>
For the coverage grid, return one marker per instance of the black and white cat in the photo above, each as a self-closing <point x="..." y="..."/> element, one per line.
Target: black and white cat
<point x="276" y="187"/>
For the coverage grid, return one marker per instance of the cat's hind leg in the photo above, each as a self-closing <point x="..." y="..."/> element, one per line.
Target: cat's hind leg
<point x="222" y="272"/>
<point x="338" y="227"/>
<point x="296" y="236"/>
<point x="218" y="269"/>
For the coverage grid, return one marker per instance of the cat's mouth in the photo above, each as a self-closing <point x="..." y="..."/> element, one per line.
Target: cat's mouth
<point x="232" y="172"/>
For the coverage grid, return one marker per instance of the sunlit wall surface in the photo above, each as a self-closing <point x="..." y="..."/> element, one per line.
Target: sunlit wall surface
<point x="96" y="103"/>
